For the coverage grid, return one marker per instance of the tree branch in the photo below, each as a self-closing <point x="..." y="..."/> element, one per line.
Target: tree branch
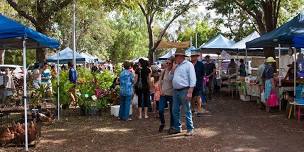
<point x="21" y="12"/>
<point x="55" y="7"/>
<point x="142" y="9"/>
<point x="257" y="15"/>
<point x="166" y="28"/>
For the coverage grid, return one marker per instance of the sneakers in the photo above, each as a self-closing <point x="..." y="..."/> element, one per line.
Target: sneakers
<point x="161" y="128"/>
<point x="189" y="133"/>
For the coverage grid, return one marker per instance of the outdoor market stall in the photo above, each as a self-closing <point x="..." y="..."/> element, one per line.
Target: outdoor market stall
<point x="248" y="88"/>
<point x="282" y="36"/>
<point x="17" y="36"/>
<point x="216" y="45"/>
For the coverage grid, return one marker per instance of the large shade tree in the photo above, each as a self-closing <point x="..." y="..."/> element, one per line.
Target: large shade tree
<point x="264" y="13"/>
<point x="40" y="14"/>
<point x="150" y="9"/>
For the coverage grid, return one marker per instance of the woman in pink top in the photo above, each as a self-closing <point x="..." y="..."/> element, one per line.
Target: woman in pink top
<point x="157" y="93"/>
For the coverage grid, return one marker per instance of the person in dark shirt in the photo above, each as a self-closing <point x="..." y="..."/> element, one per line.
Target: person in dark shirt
<point x="210" y="71"/>
<point x="290" y="72"/>
<point x="142" y="87"/>
<point x="268" y="76"/>
<point x="198" y="89"/>
<point x="232" y="66"/>
<point x="73" y="79"/>
<point x="242" y="68"/>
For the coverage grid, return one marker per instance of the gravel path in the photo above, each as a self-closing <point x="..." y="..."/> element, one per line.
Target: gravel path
<point x="231" y="126"/>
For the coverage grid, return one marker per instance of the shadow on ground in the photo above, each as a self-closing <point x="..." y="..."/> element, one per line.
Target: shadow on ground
<point x="231" y="126"/>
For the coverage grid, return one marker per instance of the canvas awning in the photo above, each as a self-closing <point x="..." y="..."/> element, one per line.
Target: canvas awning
<point x="13" y="33"/>
<point x="283" y="35"/>
<point x="218" y="42"/>
<point x="65" y="56"/>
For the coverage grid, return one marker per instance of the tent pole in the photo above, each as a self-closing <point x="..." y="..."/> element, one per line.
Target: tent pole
<point x="237" y="58"/>
<point x="246" y="55"/>
<point x="58" y="90"/>
<point x="74" y="33"/>
<point x="25" y="93"/>
<point x="294" y="73"/>
<point x="196" y="40"/>
<point x="280" y="65"/>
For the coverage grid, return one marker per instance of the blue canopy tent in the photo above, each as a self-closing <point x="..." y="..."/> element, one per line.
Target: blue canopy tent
<point x="281" y="36"/>
<point x="285" y="35"/>
<point x="66" y="55"/>
<point x="217" y="44"/>
<point x="14" y="35"/>
<point x="298" y="41"/>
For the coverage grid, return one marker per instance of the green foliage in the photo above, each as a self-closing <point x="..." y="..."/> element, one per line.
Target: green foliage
<point x="118" y="69"/>
<point x="64" y="86"/>
<point x="102" y="103"/>
<point x="37" y="96"/>
<point x="15" y="57"/>
<point x="130" y="39"/>
<point x="104" y="80"/>
<point x="85" y="89"/>
<point x="245" y="16"/>
<point x="204" y="31"/>
<point x="88" y="82"/>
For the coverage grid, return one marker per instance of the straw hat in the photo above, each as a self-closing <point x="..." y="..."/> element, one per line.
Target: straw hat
<point x="270" y="60"/>
<point x="180" y="51"/>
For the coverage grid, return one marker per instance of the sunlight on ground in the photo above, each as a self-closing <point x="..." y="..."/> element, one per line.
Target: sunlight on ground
<point x="247" y="137"/>
<point x="45" y="141"/>
<point x="107" y="129"/>
<point x="56" y="130"/>
<point x="246" y="150"/>
<point x="206" y="132"/>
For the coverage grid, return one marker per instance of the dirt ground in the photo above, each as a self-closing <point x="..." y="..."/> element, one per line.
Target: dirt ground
<point x="231" y="126"/>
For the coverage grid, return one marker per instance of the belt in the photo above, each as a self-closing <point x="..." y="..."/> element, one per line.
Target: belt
<point x="181" y="89"/>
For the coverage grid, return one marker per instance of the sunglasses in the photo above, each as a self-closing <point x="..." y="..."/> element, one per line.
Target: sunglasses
<point x="168" y="63"/>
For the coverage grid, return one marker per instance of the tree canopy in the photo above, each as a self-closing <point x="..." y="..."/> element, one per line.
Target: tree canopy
<point x="126" y="29"/>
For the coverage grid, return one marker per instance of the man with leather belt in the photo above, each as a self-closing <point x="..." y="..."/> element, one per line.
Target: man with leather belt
<point x="184" y="80"/>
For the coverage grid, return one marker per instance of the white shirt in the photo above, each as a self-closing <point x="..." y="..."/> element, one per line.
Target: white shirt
<point x="184" y="75"/>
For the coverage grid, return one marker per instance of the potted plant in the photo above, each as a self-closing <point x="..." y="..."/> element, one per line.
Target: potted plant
<point x="85" y="90"/>
<point x="64" y="86"/>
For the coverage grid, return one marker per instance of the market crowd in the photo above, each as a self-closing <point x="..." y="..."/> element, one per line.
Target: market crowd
<point x="185" y="85"/>
<point x="180" y="84"/>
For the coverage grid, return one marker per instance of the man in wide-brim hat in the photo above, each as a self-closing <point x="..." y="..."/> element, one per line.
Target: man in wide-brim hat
<point x="184" y="80"/>
<point x="198" y="94"/>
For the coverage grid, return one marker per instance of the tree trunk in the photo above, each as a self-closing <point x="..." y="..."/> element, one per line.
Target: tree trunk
<point x="41" y="53"/>
<point x="151" y="43"/>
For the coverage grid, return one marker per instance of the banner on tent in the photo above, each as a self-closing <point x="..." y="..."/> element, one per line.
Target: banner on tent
<point x="166" y="45"/>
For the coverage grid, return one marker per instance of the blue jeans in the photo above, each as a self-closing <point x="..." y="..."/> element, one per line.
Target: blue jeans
<point x="179" y="99"/>
<point x="124" y="110"/>
<point x="162" y="103"/>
